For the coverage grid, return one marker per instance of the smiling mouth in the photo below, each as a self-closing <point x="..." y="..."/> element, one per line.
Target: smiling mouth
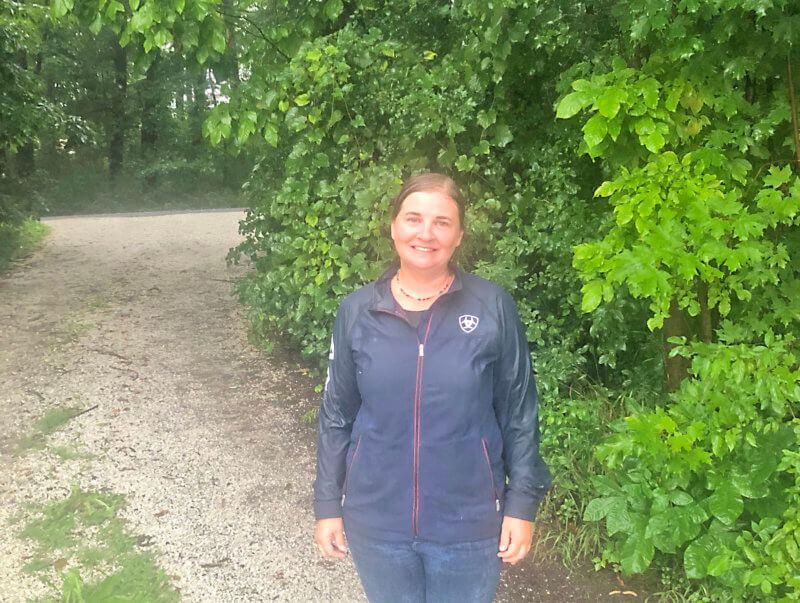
<point x="418" y="248"/>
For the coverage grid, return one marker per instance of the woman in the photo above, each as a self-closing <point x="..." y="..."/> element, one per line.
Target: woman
<point x="429" y="442"/>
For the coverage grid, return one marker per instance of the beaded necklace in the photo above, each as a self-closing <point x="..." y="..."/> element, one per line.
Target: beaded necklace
<point x="447" y="284"/>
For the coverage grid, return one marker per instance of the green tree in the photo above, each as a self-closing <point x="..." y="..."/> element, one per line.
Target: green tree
<point x="694" y="115"/>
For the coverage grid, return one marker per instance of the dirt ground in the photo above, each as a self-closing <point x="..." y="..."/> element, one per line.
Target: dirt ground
<point x="133" y="317"/>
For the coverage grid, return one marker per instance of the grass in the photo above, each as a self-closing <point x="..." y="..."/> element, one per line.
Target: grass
<point x="18" y="240"/>
<point x="83" y="540"/>
<point x="53" y="420"/>
<point x="72" y="331"/>
<point x="99" y="302"/>
<point x="67" y="453"/>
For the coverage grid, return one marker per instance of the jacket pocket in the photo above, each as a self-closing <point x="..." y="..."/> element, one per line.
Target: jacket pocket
<point x="454" y="481"/>
<point x="491" y="474"/>
<point x="350" y="467"/>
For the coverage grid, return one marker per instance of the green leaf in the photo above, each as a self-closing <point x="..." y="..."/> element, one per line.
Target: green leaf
<point x="718" y="565"/>
<point x="637" y="553"/>
<point x="592" y="295"/>
<point x="680" y="498"/>
<point x="218" y="41"/>
<point x="653" y="141"/>
<point x="112" y="9"/>
<point x="59" y="8"/>
<point x="97" y="24"/>
<point x="609" y="102"/>
<point x="333" y="8"/>
<point x="271" y="134"/>
<point x="739" y="168"/>
<point x="302" y="100"/>
<point x="570" y="105"/>
<point x="605" y="507"/>
<point x="698" y="555"/>
<point x="502" y="136"/>
<point x="618" y="518"/>
<point x="726" y="503"/>
<point x="486" y="118"/>
<point x="608" y="188"/>
<point x="428" y="55"/>
<point x="595" y="130"/>
<point x="778" y="176"/>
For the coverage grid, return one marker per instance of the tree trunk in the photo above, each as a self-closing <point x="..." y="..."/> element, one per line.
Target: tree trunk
<point x="199" y="106"/>
<point x="675" y="325"/>
<point x="149" y="131"/>
<point x="116" y="138"/>
<point x="25" y="160"/>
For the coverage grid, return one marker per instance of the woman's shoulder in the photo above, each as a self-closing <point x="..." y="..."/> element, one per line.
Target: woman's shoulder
<point x="361" y="297"/>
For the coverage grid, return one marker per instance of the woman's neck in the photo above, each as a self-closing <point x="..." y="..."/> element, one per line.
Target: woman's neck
<point x="423" y="283"/>
<point x="415" y="290"/>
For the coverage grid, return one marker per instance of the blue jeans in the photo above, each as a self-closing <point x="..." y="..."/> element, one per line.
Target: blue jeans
<point x="426" y="572"/>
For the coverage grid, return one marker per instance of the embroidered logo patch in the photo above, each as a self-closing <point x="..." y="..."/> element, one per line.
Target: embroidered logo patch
<point x="467" y="322"/>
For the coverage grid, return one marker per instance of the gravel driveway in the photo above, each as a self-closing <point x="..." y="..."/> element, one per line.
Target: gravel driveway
<point x="132" y="317"/>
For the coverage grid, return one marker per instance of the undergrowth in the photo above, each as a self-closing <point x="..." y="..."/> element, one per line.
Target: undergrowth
<point x="17" y="240"/>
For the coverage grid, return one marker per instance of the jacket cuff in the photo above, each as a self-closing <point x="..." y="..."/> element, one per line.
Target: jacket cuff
<point x="521" y="506"/>
<point x="325" y="509"/>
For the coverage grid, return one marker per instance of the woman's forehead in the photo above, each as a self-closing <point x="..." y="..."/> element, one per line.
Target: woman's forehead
<point x="430" y="202"/>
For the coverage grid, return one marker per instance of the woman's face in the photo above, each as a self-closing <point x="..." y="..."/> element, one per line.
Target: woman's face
<point x="426" y="231"/>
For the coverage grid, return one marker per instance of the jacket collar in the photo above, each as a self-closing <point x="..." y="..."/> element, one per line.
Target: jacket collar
<point x="382" y="298"/>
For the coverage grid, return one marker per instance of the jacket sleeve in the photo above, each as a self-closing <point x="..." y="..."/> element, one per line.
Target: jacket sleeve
<point x="516" y="405"/>
<point x="340" y="403"/>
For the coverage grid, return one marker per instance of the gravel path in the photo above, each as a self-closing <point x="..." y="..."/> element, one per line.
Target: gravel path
<point x="135" y="315"/>
<point x="193" y="424"/>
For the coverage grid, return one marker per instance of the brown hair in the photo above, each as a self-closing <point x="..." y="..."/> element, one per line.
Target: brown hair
<point x="426" y="183"/>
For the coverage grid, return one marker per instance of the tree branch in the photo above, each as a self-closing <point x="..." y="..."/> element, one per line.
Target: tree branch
<point x="258" y="28"/>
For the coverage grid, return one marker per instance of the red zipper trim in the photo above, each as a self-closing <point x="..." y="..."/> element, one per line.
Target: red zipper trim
<point x="350" y="468"/>
<point x="491" y="473"/>
<point x="417" y="423"/>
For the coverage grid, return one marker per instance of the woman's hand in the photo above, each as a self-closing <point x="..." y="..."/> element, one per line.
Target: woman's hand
<point x="330" y="538"/>
<point x="515" y="539"/>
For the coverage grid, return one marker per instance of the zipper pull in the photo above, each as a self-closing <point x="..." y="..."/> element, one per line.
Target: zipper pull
<point x="497" y="504"/>
<point x="421" y="350"/>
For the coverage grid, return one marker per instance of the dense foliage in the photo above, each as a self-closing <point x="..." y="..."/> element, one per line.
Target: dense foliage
<point x="649" y="235"/>
<point x="695" y="118"/>
<point x="96" y="117"/>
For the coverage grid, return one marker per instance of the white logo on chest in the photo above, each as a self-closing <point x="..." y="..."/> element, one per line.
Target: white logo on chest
<point x="467" y="322"/>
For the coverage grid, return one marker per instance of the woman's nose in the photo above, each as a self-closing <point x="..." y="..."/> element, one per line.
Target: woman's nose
<point x="427" y="230"/>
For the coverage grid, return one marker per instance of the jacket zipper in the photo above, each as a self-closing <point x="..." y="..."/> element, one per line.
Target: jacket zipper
<point x="416" y="443"/>
<point x="417" y="409"/>
<point x="350" y="469"/>
<point x="491" y="474"/>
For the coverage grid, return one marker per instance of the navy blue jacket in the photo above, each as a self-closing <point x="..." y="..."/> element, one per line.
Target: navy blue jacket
<point x="429" y="432"/>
